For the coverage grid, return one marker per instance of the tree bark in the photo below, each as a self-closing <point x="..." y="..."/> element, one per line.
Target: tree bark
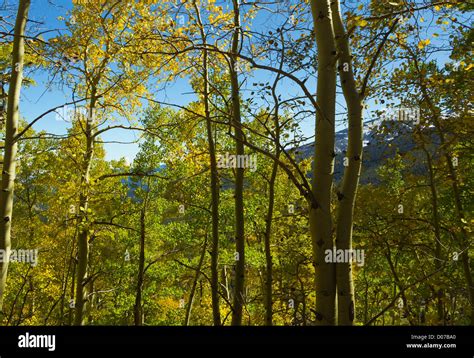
<point x="70" y="317"/>
<point x="267" y="243"/>
<point x="238" y="300"/>
<point x="436" y="227"/>
<point x="137" y="309"/>
<point x="9" y="161"/>
<point x="268" y="284"/>
<point x="323" y="165"/>
<point x="348" y="192"/>
<point x="84" y="234"/>
<point x="216" y="315"/>
<point x="189" y="307"/>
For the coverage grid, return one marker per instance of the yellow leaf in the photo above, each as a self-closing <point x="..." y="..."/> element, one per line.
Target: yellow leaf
<point x="423" y="43"/>
<point x="362" y="23"/>
<point x="437" y="8"/>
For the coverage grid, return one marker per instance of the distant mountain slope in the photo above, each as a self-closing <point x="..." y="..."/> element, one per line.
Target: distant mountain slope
<point x="377" y="148"/>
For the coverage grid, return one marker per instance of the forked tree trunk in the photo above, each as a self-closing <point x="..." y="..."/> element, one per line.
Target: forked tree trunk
<point x="323" y="165"/>
<point x="348" y="192"/>
<point x="9" y="161"/>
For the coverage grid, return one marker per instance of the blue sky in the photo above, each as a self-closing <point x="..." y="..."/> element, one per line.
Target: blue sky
<point x="37" y="99"/>
<point x="41" y="97"/>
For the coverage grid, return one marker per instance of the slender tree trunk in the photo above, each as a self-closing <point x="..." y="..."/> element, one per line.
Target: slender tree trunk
<point x="268" y="294"/>
<point x="226" y="283"/>
<point x="84" y="234"/>
<point x="350" y="182"/>
<point x="189" y="306"/>
<point x="137" y="309"/>
<point x="398" y="284"/>
<point x="216" y="315"/>
<point x="9" y="161"/>
<point x="69" y="272"/>
<point x="323" y="165"/>
<point x="73" y="286"/>
<point x="238" y="301"/>
<point x="366" y="298"/>
<point x="463" y="237"/>
<point x="215" y="211"/>
<point x="437" y="229"/>
<point x="17" y="296"/>
<point x="90" y="300"/>
<point x="3" y="107"/>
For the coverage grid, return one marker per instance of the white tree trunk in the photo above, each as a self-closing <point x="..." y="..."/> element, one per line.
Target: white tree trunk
<point x="9" y="163"/>
<point x="323" y="166"/>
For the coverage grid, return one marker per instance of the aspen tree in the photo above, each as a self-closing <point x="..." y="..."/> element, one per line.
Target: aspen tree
<point x="11" y="145"/>
<point x="323" y="167"/>
<point x="239" y="177"/>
